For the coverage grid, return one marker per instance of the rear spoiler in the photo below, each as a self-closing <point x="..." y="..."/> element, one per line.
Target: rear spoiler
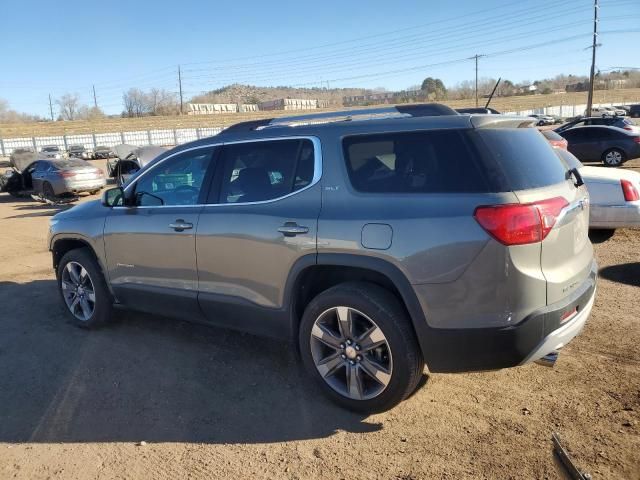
<point x="502" y="121"/>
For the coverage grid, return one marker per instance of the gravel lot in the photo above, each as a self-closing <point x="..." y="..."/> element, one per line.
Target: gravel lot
<point x="208" y="403"/>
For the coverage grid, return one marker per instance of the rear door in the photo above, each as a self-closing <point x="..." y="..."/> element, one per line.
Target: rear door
<point x="582" y="143"/>
<point x="259" y="221"/>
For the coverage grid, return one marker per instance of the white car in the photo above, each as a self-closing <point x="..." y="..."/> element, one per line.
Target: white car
<point x="614" y="194"/>
<point x="51" y="151"/>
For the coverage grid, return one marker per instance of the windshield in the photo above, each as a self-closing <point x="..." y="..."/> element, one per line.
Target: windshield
<point x="50" y="149"/>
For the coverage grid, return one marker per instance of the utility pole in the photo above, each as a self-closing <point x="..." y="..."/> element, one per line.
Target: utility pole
<point x="476" y="57"/>
<point x="50" y="107"/>
<point x="593" y="58"/>
<point x="95" y="100"/>
<point x="180" y="87"/>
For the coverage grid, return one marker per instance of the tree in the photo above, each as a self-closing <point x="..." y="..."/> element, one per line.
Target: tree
<point x="434" y="88"/>
<point x="135" y="103"/>
<point x="89" y="113"/>
<point x="69" y="105"/>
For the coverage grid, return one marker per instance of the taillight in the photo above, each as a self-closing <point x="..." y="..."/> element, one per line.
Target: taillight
<point x="67" y="174"/>
<point x="520" y="224"/>
<point x="630" y="191"/>
<point x="636" y="139"/>
<point x="563" y="144"/>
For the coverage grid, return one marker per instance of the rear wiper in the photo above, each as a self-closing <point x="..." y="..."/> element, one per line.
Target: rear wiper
<point x="573" y="172"/>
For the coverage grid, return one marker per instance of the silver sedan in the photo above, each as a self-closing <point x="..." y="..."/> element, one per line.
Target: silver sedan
<point x="56" y="177"/>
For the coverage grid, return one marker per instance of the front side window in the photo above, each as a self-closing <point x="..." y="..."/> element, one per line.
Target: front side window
<point x="259" y="171"/>
<point x="176" y="181"/>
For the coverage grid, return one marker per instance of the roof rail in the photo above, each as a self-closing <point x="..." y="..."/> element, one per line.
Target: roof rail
<point x="246" y="126"/>
<point x="398" y="111"/>
<point x="413" y="110"/>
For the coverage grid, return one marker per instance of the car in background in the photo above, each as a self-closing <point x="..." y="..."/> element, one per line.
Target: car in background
<point x="610" y="145"/>
<point x="543" y="119"/>
<point x="619" y="122"/>
<point x="622" y="107"/>
<point x="614" y="194"/>
<point x="129" y="159"/>
<point x="51" y="151"/>
<point x="634" y="110"/>
<point x="52" y="178"/>
<point x="79" y="151"/>
<point x="621" y="112"/>
<point x="103" y="152"/>
<point x="555" y="139"/>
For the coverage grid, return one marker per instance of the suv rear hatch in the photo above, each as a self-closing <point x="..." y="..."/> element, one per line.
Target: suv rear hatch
<point x="542" y="183"/>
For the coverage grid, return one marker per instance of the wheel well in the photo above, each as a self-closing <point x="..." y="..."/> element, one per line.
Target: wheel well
<point x="315" y="280"/>
<point x="62" y="246"/>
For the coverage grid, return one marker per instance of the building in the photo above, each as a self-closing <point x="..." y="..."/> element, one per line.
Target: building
<point x="288" y="104"/>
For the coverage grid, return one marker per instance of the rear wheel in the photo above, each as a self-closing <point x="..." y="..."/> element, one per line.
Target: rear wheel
<point x="613" y="157"/>
<point x="83" y="289"/>
<point x="357" y="343"/>
<point x="47" y="191"/>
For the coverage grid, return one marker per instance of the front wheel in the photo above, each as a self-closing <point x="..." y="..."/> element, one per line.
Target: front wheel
<point x="613" y="157"/>
<point x="358" y="344"/>
<point x="83" y="289"/>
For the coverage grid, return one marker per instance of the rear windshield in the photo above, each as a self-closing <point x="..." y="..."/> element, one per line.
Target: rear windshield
<point x="452" y="161"/>
<point x="50" y="149"/>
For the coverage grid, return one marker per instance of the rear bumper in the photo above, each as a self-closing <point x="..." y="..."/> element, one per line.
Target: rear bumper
<point x="474" y="349"/>
<point x="82" y="185"/>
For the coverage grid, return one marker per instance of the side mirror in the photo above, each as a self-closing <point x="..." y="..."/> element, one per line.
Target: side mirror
<point x="113" y="197"/>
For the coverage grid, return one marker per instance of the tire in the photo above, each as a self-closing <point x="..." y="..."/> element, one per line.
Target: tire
<point x="397" y="361"/>
<point x="76" y="261"/>
<point x="601" y="235"/>
<point x="47" y="191"/>
<point x="614" y="157"/>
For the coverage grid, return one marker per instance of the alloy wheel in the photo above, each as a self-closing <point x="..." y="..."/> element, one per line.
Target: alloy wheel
<point x="351" y="353"/>
<point x="613" y="158"/>
<point x="78" y="291"/>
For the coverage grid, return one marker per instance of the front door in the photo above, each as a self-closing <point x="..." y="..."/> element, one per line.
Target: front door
<point x="260" y="220"/>
<point x="150" y="246"/>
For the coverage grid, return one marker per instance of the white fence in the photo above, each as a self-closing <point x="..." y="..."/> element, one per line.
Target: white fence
<point x="93" y="140"/>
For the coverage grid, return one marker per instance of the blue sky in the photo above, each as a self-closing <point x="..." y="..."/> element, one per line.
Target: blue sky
<point x="68" y="46"/>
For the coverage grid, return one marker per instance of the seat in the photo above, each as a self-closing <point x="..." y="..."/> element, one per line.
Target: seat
<point x="255" y="184"/>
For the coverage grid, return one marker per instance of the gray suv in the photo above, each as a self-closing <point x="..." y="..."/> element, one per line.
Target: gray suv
<point x="377" y="240"/>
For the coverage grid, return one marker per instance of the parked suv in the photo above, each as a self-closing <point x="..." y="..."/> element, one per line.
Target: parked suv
<point x="378" y="240"/>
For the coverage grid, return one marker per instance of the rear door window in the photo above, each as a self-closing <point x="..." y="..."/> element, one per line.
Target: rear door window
<point x="265" y="170"/>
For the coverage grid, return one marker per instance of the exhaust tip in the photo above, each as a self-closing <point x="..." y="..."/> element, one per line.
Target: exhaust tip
<point x="549" y="360"/>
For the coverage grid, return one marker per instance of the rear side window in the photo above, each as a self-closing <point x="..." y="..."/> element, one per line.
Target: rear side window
<point x="452" y="161"/>
<point x="259" y="171"/>
<point x="441" y="161"/>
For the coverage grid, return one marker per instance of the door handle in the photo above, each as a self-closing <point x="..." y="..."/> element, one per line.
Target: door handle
<point x="291" y="229"/>
<point x="180" y="225"/>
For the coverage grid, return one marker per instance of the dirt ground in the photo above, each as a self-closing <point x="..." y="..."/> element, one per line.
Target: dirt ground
<point x="209" y="403"/>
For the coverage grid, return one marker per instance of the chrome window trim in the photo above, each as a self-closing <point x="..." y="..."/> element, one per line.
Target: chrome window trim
<point x="317" y="171"/>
